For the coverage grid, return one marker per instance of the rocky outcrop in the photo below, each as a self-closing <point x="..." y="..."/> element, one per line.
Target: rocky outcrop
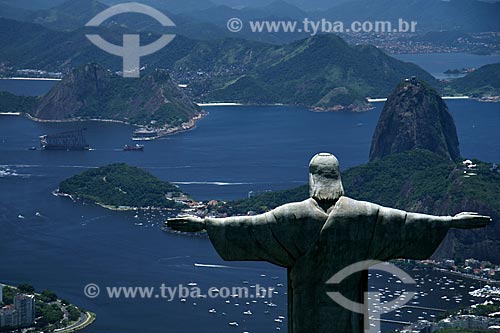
<point x="415" y="116"/>
<point x="91" y="92"/>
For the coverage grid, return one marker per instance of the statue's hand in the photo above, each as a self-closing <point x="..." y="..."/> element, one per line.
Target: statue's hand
<point x="470" y="221"/>
<point x="186" y="224"/>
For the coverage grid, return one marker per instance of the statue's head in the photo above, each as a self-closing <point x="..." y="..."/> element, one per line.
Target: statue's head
<point x="324" y="177"/>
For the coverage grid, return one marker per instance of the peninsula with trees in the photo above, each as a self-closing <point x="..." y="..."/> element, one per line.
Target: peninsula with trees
<point x="24" y="309"/>
<point x="123" y="187"/>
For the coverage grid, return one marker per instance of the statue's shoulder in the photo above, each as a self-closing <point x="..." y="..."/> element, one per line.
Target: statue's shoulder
<point x="298" y="210"/>
<point x="349" y="204"/>
<point x="350" y="201"/>
<point x="354" y="207"/>
<point x="300" y="204"/>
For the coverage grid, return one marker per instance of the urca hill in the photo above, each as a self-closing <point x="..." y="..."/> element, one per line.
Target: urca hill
<point x="91" y="92"/>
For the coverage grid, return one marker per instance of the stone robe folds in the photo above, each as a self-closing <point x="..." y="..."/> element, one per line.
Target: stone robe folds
<point x="314" y="245"/>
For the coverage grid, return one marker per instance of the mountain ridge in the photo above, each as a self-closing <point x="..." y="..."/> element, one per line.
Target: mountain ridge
<point x="321" y="71"/>
<point x="311" y="71"/>
<point x="90" y="92"/>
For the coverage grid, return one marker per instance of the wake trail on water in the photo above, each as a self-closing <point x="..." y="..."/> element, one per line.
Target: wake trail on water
<point x="211" y="183"/>
<point x="214" y="266"/>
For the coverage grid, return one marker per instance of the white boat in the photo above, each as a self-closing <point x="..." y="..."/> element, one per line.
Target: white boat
<point x="144" y="134"/>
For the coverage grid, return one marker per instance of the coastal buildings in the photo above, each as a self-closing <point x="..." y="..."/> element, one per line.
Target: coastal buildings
<point x="25" y="307"/>
<point x="471" y="268"/>
<point x="467" y="322"/>
<point x="8" y="316"/>
<point x="21" y="313"/>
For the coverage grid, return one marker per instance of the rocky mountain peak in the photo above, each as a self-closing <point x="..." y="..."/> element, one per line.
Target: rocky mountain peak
<point x="415" y="116"/>
<point x="92" y="92"/>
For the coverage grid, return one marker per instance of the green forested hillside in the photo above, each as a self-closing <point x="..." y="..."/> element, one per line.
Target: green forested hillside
<point x="10" y="103"/>
<point x="321" y="71"/>
<point x="417" y="181"/>
<point x="91" y="92"/>
<point x="120" y="185"/>
<point x="483" y="82"/>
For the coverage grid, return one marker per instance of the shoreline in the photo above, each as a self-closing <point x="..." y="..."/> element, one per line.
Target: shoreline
<point x="219" y="104"/>
<point x="111" y="207"/>
<point x="131" y="209"/>
<point x="78" y="325"/>
<point x="75" y="120"/>
<point x="468" y="276"/>
<point x="187" y="126"/>
<point x="30" y="78"/>
<point x="383" y="100"/>
<point x="90" y="317"/>
<point x="184" y="127"/>
<point x="341" y="108"/>
<point x="191" y="124"/>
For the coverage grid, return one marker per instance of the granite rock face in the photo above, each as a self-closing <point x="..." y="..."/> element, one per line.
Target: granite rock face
<point x="415" y="116"/>
<point x="92" y="92"/>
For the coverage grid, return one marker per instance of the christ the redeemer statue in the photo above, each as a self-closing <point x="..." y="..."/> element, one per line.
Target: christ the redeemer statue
<point x="316" y="238"/>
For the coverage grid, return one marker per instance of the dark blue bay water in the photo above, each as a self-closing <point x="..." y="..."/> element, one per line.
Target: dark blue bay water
<point x="438" y="63"/>
<point x="232" y="151"/>
<point x="26" y="87"/>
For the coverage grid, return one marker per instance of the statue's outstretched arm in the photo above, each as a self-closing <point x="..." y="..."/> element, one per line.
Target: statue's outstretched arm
<point x="400" y="234"/>
<point x="464" y="220"/>
<point x="186" y="224"/>
<point x="196" y="224"/>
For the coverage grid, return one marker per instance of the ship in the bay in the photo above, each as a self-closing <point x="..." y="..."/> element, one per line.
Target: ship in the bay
<point x="133" y="148"/>
<point x="70" y="140"/>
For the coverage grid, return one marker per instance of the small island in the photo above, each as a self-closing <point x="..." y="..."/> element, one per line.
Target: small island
<point x="123" y="187"/>
<point x="457" y="71"/>
<point x="22" y="308"/>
